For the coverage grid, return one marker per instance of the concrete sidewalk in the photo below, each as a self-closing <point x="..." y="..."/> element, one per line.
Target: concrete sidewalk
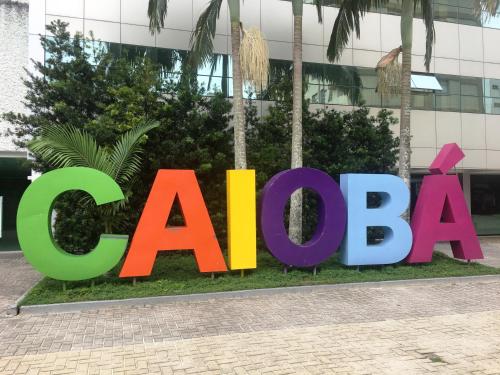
<point x="489" y="245"/>
<point x="17" y="276"/>
<point x="431" y="327"/>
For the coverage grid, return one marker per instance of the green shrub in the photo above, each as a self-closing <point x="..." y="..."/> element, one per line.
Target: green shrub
<point x="84" y="84"/>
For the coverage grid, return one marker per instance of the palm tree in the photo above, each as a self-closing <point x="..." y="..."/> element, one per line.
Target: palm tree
<point x="348" y="20"/>
<point x="67" y="146"/>
<point x="295" y="222"/>
<point x="202" y="50"/>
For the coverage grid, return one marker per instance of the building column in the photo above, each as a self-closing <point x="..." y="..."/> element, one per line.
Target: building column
<point x="466" y="188"/>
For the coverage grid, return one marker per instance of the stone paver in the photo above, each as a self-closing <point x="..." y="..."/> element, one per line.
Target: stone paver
<point x="408" y="346"/>
<point x="435" y="327"/>
<point x="17" y="276"/>
<point x="489" y="245"/>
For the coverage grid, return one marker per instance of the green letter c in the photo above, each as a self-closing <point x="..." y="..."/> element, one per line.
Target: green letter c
<point x="34" y="225"/>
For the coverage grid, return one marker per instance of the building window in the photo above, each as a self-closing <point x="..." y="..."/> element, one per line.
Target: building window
<point x="327" y="83"/>
<point x="485" y="203"/>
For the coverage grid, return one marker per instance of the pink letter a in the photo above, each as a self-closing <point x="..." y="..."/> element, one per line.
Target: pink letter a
<point x="441" y="213"/>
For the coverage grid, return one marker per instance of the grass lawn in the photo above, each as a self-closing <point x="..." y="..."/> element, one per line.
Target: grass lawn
<point x="176" y="273"/>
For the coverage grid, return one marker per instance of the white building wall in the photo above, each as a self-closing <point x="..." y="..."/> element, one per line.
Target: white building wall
<point x="459" y="50"/>
<point x="13" y="60"/>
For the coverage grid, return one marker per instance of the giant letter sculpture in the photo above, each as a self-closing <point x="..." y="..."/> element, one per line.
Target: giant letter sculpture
<point x="241" y="220"/>
<point x="441" y="212"/>
<point x="153" y="234"/>
<point x="397" y="233"/>
<point x="34" y="223"/>
<point x="331" y="220"/>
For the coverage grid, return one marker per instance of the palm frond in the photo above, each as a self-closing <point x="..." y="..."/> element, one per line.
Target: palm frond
<point x="157" y="12"/>
<point x="347" y="22"/>
<point x="202" y="39"/>
<point x="124" y="157"/>
<point x="389" y="79"/>
<point x="67" y="146"/>
<point x="319" y="5"/>
<point x="214" y="62"/>
<point x="428" y="16"/>
<point x="254" y="59"/>
<point x="389" y="73"/>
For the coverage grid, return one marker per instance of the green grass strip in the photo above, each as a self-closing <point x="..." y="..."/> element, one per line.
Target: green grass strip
<point x="176" y="273"/>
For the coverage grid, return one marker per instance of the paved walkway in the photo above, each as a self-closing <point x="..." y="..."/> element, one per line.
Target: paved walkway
<point x="450" y="327"/>
<point x="16" y="276"/>
<point x="489" y="245"/>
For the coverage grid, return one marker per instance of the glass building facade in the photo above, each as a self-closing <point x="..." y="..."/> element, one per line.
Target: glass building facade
<point x="454" y="11"/>
<point x="331" y="84"/>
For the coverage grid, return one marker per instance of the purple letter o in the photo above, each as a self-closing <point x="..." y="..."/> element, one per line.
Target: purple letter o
<point x="331" y="220"/>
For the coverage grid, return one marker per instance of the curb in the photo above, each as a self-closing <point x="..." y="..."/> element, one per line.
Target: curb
<point x="10" y="254"/>
<point x="148" y="301"/>
<point x="10" y="311"/>
<point x="15" y="309"/>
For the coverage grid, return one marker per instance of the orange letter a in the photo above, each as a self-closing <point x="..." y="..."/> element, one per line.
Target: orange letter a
<point x="153" y="234"/>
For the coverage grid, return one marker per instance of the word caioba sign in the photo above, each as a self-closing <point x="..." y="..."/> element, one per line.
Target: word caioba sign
<point x="441" y="214"/>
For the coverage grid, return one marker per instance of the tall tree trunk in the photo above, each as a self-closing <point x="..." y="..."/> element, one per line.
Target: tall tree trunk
<point x="405" y="122"/>
<point x="225" y="65"/>
<point x="240" y="158"/>
<point x="295" y="224"/>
